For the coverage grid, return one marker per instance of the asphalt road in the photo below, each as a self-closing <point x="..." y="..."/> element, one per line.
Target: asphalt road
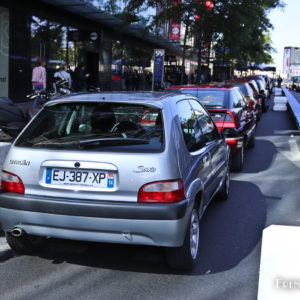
<point x="265" y="192"/>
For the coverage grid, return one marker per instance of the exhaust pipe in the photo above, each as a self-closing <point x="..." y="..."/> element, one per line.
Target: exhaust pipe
<point x="17" y="231"/>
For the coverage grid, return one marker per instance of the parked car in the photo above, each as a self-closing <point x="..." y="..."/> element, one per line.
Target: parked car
<point x="295" y="83"/>
<point x="249" y="95"/>
<point x="86" y="168"/>
<point x="269" y="84"/>
<point x="231" y="113"/>
<point x="262" y="90"/>
<point x="259" y="94"/>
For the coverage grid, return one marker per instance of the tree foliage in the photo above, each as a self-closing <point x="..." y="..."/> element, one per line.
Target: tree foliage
<point x="237" y="30"/>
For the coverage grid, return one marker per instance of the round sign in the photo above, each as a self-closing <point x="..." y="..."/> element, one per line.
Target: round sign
<point x="175" y="30"/>
<point x="93" y="36"/>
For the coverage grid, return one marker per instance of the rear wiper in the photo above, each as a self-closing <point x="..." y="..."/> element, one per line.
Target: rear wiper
<point x="113" y="141"/>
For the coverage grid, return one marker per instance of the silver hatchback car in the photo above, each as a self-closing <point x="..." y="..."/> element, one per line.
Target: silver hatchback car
<point x="134" y="168"/>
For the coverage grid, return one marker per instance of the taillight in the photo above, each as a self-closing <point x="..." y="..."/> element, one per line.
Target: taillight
<point x="11" y="183"/>
<point x="167" y="191"/>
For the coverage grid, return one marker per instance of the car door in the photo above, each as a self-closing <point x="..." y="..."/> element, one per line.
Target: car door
<point x="215" y="144"/>
<point x="199" y="153"/>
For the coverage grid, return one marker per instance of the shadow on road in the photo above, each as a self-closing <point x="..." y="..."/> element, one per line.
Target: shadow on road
<point x="229" y="232"/>
<point x="259" y="160"/>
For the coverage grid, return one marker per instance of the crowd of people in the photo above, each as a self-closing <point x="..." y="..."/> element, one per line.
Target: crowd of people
<point x="133" y="79"/>
<point x="77" y="79"/>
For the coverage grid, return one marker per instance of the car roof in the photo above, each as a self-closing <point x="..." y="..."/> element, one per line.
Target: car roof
<point x="212" y="86"/>
<point x="150" y="98"/>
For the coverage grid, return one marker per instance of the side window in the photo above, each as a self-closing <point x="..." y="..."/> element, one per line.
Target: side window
<point x="242" y="99"/>
<point x="250" y="91"/>
<point x="235" y="101"/>
<point x="190" y="127"/>
<point x="208" y="127"/>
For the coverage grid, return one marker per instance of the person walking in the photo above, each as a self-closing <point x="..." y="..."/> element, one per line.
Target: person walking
<point x="279" y="80"/>
<point x="62" y="74"/>
<point x="39" y="79"/>
<point x="80" y="78"/>
<point x="136" y="80"/>
<point x="128" y="78"/>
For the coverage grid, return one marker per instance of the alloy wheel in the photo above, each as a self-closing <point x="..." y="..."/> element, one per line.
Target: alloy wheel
<point x="194" y="234"/>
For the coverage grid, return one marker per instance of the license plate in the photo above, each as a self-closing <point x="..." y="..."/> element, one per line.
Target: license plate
<point x="83" y="178"/>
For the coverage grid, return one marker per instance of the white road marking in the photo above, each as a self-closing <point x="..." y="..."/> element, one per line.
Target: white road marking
<point x="3" y="245"/>
<point x="279" y="276"/>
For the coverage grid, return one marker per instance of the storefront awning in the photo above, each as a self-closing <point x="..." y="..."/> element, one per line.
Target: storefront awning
<point x="88" y="11"/>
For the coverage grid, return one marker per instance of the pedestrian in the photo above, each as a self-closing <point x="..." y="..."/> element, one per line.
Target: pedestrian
<point x="279" y="80"/>
<point x="128" y="78"/>
<point x="136" y="80"/>
<point x="80" y="78"/>
<point x="62" y="74"/>
<point x="39" y="76"/>
<point x="38" y="79"/>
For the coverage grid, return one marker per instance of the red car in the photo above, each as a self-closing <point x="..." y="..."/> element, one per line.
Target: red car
<point x="231" y="113"/>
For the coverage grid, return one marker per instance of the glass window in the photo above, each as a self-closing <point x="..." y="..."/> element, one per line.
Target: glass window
<point x="190" y="126"/>
<point x="192" y="92"/>
<point x="243" y="89"/>
<point x="212" y="98"/>
<point x="235" y="101"/>
<point x="208" y="128"/>
<point x="96" y="127"/>
<point x="241" y="98"/>
<point x="249" y="90"/>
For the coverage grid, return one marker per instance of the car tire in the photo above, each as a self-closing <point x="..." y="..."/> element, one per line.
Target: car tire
<point x="25" y="244"/>
<point x="224" y="191"/>
<point x="238" y="160"/>
<point x="185" y="257"/>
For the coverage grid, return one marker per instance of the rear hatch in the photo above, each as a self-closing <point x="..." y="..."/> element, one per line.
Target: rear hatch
<point x="221" y="117"/>
<point x="98" y="151"/>
<point x="77" y="175"/>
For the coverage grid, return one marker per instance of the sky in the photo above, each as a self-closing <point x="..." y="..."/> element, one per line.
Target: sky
<point x="286" y="30"/>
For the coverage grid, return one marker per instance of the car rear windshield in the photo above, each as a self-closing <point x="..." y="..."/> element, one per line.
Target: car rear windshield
<point x="96" y="127"/>
<point x="209" y="98"/>
<point x="212" y="98"/>
<point x="192" y="92"/>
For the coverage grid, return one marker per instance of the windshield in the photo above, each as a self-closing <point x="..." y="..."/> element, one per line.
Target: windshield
<point x="192" y="92"/>
<point x="209" y="98"/>
<point x="212" y="98"/>
<point x="96" y="127"/>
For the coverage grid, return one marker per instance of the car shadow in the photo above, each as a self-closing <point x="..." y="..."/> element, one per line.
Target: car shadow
<point x="259" y="160"/>
<point x="229" y="232"/>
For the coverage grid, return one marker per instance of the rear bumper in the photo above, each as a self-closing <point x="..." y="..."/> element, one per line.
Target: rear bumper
<point x="131" y="223"/>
